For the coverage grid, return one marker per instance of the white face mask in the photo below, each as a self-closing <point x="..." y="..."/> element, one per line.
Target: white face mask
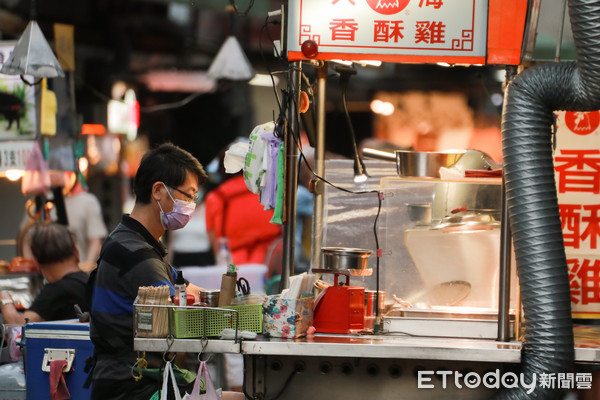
<point x="179" y="216"/>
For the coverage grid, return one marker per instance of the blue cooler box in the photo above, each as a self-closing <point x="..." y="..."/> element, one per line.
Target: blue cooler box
<point x="47" y="341"/>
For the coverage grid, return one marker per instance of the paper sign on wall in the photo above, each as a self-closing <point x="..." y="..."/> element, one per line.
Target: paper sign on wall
<point x="577" y="174"/>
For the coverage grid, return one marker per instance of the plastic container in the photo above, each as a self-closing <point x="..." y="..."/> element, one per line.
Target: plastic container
<point x="205" y="321"/>
<point x="42" y="338"/>
<point x="224" y="254"/>
<point x="209" y="297"/>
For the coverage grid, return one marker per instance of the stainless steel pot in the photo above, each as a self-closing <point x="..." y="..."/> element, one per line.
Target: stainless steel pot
<point x="209" y="297"/>
<point x="424" y="164"/>
<point x="344" y="258"/>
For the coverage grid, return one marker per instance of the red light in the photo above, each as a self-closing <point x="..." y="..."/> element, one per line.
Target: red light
<point x="310" y="48"/>
<point x="93" y="129"/>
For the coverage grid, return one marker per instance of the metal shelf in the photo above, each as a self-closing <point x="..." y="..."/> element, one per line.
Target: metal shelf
<point x="187" y="345"/>
<point x="326" y="345"/>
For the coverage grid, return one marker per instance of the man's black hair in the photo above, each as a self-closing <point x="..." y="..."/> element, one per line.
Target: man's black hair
<point x="168" y="164"/>
<point x="51" y="243"/>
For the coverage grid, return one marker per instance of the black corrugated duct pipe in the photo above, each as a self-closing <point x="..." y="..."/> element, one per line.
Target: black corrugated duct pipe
<point x="527" y="121"/>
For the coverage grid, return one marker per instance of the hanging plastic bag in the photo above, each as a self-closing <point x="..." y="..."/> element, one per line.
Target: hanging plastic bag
<point x="169" y="375"/>
<point x="14" y="343"/>
<point x="255" y="164"/>
<point x="268" y="193"/>
<point x="211" y="393"/>
<point x="36" y="180"/>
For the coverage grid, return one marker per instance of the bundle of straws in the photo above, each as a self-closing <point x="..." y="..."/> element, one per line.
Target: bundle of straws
<point x="152" y="321"/>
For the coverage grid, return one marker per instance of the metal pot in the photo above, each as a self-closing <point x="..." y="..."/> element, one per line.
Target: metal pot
<point x="209" y="297"/>
<point x="344" y="258"/>
<point x="420" y="213"/>
<point x="424" y="164"/>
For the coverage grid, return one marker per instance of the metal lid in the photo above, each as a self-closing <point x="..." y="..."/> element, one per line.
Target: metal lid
<point x="346" y="251"/>
<point x="469" y="220"/>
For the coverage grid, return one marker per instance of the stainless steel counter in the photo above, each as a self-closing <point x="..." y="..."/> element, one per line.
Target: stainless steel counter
<point x="587" y="347"/>
<point x="325" y="345"/>
<point x="188" y="345"/>
<point x="388" y="347"/>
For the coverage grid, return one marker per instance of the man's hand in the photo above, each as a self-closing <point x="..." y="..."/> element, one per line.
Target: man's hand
<point x="195" y="290"/>
<point x="10" y="315"/>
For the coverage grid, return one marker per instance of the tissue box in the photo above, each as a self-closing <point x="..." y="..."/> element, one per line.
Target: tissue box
<point x="287" y="318"/>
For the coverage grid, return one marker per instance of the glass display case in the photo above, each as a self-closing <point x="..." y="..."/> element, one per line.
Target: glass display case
<point x="439" y="241"/>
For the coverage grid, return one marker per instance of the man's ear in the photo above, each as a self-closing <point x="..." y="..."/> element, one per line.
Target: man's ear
<point x="76" y="253"/>
<point x="157" y="191"/>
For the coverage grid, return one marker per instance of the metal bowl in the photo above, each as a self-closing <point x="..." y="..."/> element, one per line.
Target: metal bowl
<point x="424" y="164"/>
<point x="468" y="221"/>
<point x="344" y="258"/>
<point x="419" y="213"/>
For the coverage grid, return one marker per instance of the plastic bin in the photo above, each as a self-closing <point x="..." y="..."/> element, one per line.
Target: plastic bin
<point x="55" y="339"/>
<point x="204" y="321"/>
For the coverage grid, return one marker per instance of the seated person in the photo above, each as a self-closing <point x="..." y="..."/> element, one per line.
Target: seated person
<point x="53" y="247"/>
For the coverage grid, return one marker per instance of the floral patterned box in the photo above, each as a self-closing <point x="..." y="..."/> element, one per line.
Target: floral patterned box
<point x="287" y="318"/>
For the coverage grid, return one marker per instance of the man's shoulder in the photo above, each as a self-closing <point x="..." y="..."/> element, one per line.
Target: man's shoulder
<point x="79" y="276"/>
<point x="126" y="248"/>
<point x="127" y="238"/>
<point x="67" y="284"/>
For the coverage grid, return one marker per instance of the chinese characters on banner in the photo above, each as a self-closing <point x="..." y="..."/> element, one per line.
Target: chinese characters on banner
<point x="577" y="173"/>
<point x="14" y="154"/>
<point x="390" y="30"/>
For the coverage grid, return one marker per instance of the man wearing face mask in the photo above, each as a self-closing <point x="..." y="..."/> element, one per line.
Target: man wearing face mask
<point x="166" y="186"/>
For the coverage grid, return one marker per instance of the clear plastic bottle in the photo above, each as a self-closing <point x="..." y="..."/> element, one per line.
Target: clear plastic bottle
<point x="180" y="292"/>
<point x="224" y="254"/>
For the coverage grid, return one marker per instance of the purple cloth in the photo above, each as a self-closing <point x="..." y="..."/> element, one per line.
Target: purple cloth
<point x="268" y="194"/>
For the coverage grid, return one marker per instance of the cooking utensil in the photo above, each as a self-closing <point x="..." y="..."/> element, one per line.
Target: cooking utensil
<point x="468" y="220"/>
<point x="424" y="164"/>
<point x="209" y="297"/>
<point x="371" y="302"/>
<point x="341" y="259"/>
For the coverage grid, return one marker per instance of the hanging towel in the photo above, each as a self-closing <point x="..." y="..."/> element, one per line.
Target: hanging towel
<point x="278" y="212"/>
<point x="58" y="387"/>
<point x="268" y="193"/>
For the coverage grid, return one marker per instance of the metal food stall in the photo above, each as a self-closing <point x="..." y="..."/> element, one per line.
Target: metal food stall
<point x="475" y="317"/>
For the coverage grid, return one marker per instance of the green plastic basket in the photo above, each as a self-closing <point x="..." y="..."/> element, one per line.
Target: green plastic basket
<point x="190" y="322"/>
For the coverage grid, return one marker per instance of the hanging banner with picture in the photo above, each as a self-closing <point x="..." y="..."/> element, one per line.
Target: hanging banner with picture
<point x="17" y="102"/>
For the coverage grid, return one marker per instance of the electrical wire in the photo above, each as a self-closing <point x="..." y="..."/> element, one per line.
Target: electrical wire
<point x="378" y="193"/>
<point x="264" y="29"/>
<point x="379" y="198"/>
<point x="295" y="372"/>
<point x="149" y="109"/>
<point x="245" y="13"/>
<point x="186" y="100"/>
<point x="169" y="106"/>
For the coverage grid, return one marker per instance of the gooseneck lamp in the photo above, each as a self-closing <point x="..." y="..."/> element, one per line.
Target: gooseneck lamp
<point x="360" y="171"/>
